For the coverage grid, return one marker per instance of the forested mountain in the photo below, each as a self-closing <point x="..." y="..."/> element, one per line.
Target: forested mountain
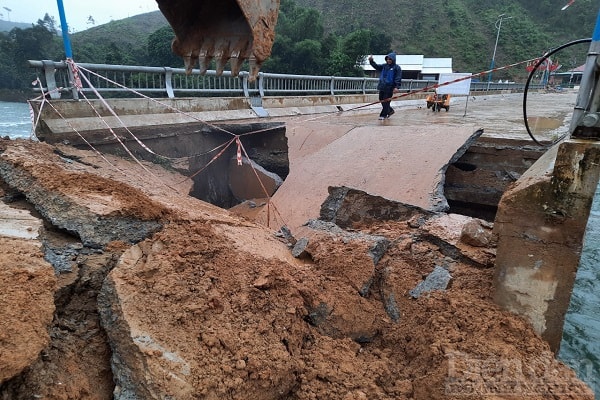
<point x="6" y="26"/>
<point x="122" y="42"/>
<point x="465" y="29"/>
<point x="327" y="37"/>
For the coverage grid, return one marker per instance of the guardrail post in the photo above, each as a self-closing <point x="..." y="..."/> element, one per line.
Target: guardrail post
<point x="244" y="77"/>
<point x="49" y="73"/>
<point x="74" y="89"/>
<point x="169" y="82"/>
<point x="332" y="86"/>
<point x="261" y="89"/>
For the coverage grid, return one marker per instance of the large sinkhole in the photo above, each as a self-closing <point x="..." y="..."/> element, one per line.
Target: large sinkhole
<point x="263" y="153"/>
<point x="209" y="155"/>
<point x="475" y="183"/>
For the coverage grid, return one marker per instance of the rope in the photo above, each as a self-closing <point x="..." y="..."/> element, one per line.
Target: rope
<point x="157" y="101"/>
<point x="269" y="203"/>
<point x="81" y="136"/>
<point x="214" y="158"/>
<point x="35" y="121"/>
<point x="110" y="109"/>
<point x="78" y="84"/>
<point x="429" y="88"/>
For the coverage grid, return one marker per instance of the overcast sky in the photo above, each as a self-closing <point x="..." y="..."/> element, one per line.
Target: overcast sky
<point x="78" y="12"/>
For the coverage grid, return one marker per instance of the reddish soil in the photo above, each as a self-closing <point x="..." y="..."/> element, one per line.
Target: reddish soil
<point x="250" y="321"/>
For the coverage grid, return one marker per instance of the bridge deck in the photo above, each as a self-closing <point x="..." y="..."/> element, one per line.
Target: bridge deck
<point x="403" y="158"/>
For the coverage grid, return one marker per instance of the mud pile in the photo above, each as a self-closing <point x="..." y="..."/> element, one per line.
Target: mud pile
<point x="145" y="292"/>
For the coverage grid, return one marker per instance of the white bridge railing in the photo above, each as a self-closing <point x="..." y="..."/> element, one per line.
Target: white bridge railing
<point x="124" y="80"/>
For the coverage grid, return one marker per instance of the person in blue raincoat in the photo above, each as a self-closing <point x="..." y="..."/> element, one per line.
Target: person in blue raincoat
<point x="390" y="79"/>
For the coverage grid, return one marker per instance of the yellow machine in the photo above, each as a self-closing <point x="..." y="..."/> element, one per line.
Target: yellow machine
<point x="437" y="101"/>
<point x="226" y="30"/>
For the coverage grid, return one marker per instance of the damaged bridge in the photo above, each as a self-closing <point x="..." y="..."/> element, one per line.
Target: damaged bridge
<point x="181" y="298"/>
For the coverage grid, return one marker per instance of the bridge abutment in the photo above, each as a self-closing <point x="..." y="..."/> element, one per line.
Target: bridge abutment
<point x="540" y="225"/>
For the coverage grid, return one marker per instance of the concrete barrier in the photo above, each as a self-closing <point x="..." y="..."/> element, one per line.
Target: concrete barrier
<point x="59" y="121"/>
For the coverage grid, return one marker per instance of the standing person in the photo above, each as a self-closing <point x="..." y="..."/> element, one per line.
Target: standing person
<point x="389" y="82"/>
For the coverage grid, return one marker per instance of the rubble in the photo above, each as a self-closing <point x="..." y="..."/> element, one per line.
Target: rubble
<point x="171" y="297"/>
<point x="438" y="279"/>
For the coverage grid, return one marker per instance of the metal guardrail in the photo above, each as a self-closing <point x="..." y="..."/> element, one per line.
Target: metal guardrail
<point x="124" y="81"/>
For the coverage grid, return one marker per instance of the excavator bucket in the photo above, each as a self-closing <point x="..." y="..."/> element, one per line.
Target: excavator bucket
<point x="226" y="30"/>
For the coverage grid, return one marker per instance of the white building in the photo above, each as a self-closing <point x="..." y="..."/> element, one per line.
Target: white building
<point x="413" y="66"/>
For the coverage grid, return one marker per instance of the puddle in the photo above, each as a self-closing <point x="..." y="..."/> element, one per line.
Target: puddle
<point x="541" y="124"/>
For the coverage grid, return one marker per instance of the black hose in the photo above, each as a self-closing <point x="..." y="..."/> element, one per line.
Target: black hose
<point x="540" y="62"/>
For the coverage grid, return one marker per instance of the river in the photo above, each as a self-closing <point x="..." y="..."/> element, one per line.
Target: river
<point x="580" y="347"/>
<point x="15" y="120"/>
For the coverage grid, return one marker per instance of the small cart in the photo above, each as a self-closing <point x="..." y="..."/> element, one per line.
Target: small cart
<point x="438" y="101"/>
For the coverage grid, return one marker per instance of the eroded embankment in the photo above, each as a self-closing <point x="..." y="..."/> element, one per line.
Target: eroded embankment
<point x="160" y="295"/>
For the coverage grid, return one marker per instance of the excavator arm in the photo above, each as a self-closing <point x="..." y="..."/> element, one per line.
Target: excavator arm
<point x="227" y="30"/>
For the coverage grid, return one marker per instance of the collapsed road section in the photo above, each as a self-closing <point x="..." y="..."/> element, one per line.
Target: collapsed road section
<point x="204" y="304"/>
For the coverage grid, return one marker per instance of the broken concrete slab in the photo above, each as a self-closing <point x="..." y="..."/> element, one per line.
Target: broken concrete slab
<point x="249" y="180"/>
<point x="376" y="245"/>
<point x="477" y="233"/>
<point x="347" y="207"/>
<point x="403" y="163"/>
<point x="18" y="223"/>
<point x="453" y="233"/>
<point x="299" y="249"/>
<point x="96" y="215"/>
<point x="446" y="231"/>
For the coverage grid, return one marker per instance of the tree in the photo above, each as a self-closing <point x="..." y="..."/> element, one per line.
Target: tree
<point x="298" y="45"/>
<point x="299" y="22"/>
<point x="380" y="43"/>
<point x="8" y="75"/>
<point x="49" y="23"/>
<point x="33" y="43"/>
<point x="302" y="48"/>
<point x="114" y="55"/>
<point x="20" y="45"/>
<point x="159" y="48"/>
<point x="350" y="51"/>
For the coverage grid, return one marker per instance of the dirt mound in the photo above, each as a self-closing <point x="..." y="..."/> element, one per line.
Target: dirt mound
<point x="27" y="283"/>
<point x="213" y="306"/>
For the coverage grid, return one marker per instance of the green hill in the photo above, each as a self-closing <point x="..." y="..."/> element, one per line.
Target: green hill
<point x="128" y="32"/>
<point x="6" y="26"/>
<point x="130" y="35"/>
<point x="465" y="29"/>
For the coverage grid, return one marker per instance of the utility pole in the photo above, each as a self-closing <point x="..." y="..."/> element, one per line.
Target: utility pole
<point x="498" y="26"/>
